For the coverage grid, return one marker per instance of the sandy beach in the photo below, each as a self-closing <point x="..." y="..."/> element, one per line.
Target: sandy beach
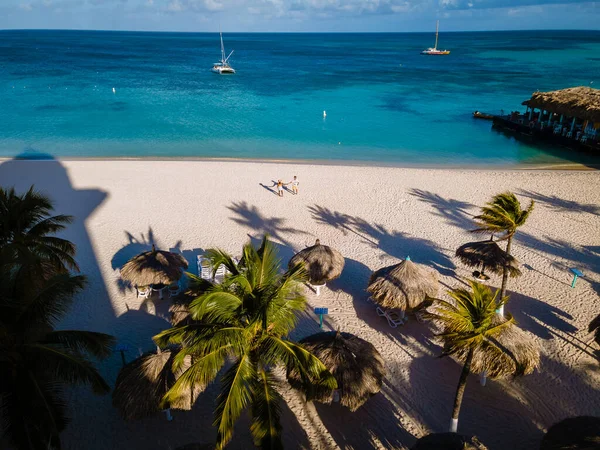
<point x="374" y="216"/>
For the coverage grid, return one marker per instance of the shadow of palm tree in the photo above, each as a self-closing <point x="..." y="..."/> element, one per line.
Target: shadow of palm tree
<point x="561" y="204"/>
<point x="455" y="212"/>
<point x="251" y="217"/>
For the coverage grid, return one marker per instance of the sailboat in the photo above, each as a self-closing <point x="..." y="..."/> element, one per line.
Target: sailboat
<point x="434" y="50"/>
<point x="223" y="66"/>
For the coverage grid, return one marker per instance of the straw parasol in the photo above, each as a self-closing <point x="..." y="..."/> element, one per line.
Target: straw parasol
<point x="488" y="255"/>
<point x="582" y="102"/>
<point x="512" y="352"/>
<point x="574" y="433"/>
<point x="448" y="441"/>
<point x="154" y="267"/>
<point x="403" y="286"/>
<point x="322" y="263"/>
<point x="142" y="384"/>
<point x="355" y="363"/>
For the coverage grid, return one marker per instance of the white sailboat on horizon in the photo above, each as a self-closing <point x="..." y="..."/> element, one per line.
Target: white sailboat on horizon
<point x="223" y="67"/>
<point x="434" y="50"/>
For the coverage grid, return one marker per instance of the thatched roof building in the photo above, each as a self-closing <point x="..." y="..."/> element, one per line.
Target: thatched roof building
<point x="154" y="267"/>
<point x="512" y="352"/>
<point x="581" y="102"/>
<point x="574" y="433"/>
<point x="403" y="286"/>
<point x="489" y="256"/>
<point x="322" y="263"/>
<point x="448" y="441"/>
<point x="355" y="364"/>
<point x="142" y="384"/>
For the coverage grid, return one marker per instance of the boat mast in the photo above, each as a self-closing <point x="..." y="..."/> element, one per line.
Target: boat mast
<point x="437" y="26"/>
<point x="223" y="60"/>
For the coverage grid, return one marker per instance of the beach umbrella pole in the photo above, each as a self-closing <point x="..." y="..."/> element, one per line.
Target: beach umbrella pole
<point x="483" y="378"/>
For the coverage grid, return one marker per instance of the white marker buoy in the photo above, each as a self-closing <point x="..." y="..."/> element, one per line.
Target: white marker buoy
<point x="324" y="113"/>
<point x="114" y="91"/>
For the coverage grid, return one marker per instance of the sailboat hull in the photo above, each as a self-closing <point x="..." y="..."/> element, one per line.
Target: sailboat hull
<point x="435" y="52"/>
<point x="223" y="70"/>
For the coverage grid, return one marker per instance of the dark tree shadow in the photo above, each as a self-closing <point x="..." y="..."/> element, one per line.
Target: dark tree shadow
<point x="374" y="424"/>
<point x="396" y="244"/>
<point x="560" y="204"/>
<point x="250" y="216"/>
<point x="455" y="212"/>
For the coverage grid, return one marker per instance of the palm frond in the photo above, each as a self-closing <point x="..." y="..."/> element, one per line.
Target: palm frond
<point x="266" y="412"/>
<point x="99" y="345"/>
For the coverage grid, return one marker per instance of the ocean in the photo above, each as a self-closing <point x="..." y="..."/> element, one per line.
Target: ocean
<point x="385" y="102"/>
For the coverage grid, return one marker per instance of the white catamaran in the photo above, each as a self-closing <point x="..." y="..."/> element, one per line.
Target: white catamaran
<point x="434" y="50"/>
<point x="223" y="66"/>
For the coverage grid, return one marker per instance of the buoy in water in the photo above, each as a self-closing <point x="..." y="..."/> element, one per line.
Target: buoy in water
<point x="324" y="113"/>
<point x="114" y="91"/>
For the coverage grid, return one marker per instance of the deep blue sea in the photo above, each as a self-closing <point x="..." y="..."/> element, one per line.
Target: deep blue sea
<point x="385" y="102"/>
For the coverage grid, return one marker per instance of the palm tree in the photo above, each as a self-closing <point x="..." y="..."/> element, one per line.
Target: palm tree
<point x="245" y="320"/>
<point x="38" y="361"/>
<point x="503" y="215"/>
<point x="472" y="332"/>
<point x="27" y="231"/>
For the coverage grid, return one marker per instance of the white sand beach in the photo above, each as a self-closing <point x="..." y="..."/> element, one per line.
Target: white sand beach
<point x="374" y="216"/>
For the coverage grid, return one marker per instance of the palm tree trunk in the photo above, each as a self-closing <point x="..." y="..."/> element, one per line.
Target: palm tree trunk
<point x="504" y="277"/>
<point x="460" y="390"/>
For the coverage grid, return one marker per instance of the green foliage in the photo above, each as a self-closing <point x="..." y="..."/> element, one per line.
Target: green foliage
<point x="35" y="293"/>
<point x="502" y="215"/>
<point x="245" y="319"/>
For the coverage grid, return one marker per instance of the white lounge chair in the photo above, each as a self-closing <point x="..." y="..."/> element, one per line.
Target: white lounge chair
<point x="205" y="268"/>
<point x="394" y="319"/>
<point x="143" y="291"/>
<point x="317" y="287"/>
<point x="174" y="290"/>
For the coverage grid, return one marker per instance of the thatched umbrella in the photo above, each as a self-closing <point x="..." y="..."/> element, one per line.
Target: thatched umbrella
<point x="403" y="286"/>
<point x="488" y="255"/>
<point x="154" y="267"/>
<point x="574" y="433"/>
<point x="448" y="441"/>
<point x="142" y="384"/>
<point x="321" y="262"/>
<point x="355" y="363"/>
<point x="582" y="102"/>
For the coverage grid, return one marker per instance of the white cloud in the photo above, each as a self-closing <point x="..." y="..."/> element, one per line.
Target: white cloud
<point x="26" y="6"/>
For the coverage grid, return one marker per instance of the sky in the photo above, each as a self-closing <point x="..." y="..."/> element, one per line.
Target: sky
<point x="299" y="15"/>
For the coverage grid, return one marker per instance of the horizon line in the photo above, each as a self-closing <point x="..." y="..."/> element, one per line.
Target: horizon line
<point x="301" y="32"/>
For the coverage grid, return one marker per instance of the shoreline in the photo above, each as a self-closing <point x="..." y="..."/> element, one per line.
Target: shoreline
<point x="332" y="162"/>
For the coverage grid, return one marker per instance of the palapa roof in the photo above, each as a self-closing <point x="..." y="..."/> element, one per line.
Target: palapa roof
<point x="355" y="363"/>
<point x="322" y="263"/>
<point x="574" y="433"/>
<point x="582" y="102"/>
<point x="403" y="286"/>
<point x="154" y="267"/>
<point x="142" y="384"/>
<point x="490" y="255"/>
<point x="448" y="441"/>
<point x="510" y="353"/>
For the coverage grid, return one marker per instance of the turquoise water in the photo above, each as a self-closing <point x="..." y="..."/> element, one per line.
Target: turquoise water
<point x="385" y="102"/>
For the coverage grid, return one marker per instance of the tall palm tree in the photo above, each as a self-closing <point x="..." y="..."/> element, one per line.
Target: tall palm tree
<point x="38" y="361"/>
<point x="245" y="320"/>
<point x="503" y="215"/>
<point x="471" y="328"/>
<point x="27" y="231"/>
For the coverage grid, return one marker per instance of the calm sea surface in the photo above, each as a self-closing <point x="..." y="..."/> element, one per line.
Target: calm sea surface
<point x="384" y="101"/>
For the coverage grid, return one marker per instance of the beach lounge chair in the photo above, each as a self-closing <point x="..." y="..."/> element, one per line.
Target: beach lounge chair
<point x="317" y="287"/>
<point x="143" y="291"/>
<point x="392" y="317"/>
<point x="159" y="288"/>
<point x="204" y="268"/>
<point x="174" y="290"/>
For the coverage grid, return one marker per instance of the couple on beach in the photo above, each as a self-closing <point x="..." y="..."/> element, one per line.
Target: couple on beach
<point x="294" y="184"/>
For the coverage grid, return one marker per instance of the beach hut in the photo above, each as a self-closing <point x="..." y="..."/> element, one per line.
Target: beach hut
<point x="448" y="441"/>
<point x="355" y="363"/>
<point x="574" y="433"/>
<point x="155" y="268"/>
<point x="487" y="255"/>
<point x="404" y="286"/>
<point x="142" y="384"/>
<point x="512" y="352"/>
<point x="322" y="263"/>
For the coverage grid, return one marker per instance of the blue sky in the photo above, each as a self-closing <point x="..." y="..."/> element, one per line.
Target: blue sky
<point x="300" y="15"/>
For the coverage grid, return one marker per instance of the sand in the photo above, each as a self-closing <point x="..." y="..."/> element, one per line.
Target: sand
<point x="373" y="216"/>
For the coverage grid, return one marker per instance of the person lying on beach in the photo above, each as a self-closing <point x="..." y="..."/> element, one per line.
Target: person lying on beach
<point x="294" y="184"/>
